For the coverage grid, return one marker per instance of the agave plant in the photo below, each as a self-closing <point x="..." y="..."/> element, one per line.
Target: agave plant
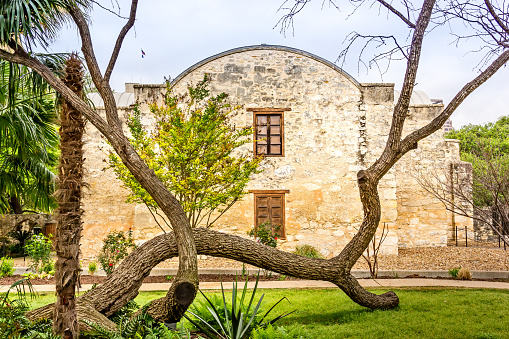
<point x="238" y="322"/>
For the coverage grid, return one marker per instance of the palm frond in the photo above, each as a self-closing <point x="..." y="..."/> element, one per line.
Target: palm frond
<point x="32" y="22"/>
<point x="28" y="137"/>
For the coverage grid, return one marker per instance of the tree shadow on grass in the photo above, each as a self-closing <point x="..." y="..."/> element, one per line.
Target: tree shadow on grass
<point x="305" y="317"/>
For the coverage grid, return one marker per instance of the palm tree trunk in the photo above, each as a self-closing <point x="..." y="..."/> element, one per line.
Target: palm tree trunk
<point x="69" y="224"/>
<point x="15" y="205"/>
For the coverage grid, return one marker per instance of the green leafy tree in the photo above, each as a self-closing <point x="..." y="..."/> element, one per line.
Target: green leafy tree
<point x="474" y="138"/>
<point x="28" y="140"/>
<point x="194" y="150"/>
<point x="482" y="194"/>
<point x="28" y="137"/>
<point x="487" y="148"/>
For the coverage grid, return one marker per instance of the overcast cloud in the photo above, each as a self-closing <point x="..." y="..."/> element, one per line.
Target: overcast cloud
<point x="176" y="34"/>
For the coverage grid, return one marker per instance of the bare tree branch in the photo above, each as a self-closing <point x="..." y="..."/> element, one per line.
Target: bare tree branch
<point x="120" y="39"/>
<point x="100" y="83"/>
<point x="397" y="13"/>
<point x="379" y="41"/>
<point x="109" y="10"/>
<point x="409" y="142"/>
<point x="483" y="22"/>
<point x="392" y="151"/>
<point x="496" y="17"/>
<point x="453" y="188"/>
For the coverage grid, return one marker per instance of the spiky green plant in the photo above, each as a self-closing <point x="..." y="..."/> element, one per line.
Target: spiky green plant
<point x="238" y="321"/>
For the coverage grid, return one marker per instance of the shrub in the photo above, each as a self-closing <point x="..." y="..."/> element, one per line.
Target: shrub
<point x="235" y="321"/>
<point x="38" y="249"/>
<point x="453" y="272"/>
<point x="308" y="251"/>
<point x="13" y="322"/>
<point x="130" y="326"/>
<point x="22" y="237"/>
<point x="6" y="267"/>
<point x="48" y="267"/>
<point x="464" y="274"/>
<point x="116" y="247"/>
<point x="266" y="233"/>
<point x="92" y="267"/>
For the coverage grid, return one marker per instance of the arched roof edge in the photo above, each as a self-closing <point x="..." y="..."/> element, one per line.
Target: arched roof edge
<point x="265" y="47"/>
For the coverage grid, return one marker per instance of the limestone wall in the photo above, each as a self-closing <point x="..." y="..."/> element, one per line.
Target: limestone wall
<point x="104" y="198"/>
<point x="422" y="219"/>
<point x="324" y="142"/>
<point x="27" y="222"/>
<point x="334" y="127"/>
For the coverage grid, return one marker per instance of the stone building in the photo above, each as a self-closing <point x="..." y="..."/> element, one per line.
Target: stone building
<point x="321" y="127"/>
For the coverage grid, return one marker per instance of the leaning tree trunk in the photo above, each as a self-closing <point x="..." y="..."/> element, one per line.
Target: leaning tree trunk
<point x="123" y="284"/>
<point x="69" y="212"/>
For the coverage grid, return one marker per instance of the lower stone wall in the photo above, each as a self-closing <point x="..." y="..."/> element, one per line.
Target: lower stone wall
<point x="423" y="219"/>
<point x="484" y="231"/>
<point x="9" y="222"/>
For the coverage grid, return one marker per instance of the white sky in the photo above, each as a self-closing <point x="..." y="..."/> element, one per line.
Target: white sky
<point x="177" y="34"/>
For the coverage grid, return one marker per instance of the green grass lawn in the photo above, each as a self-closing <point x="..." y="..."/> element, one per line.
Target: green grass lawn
<point x="423" y="313"/>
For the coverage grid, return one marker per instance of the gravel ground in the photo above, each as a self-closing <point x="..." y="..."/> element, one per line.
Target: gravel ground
<point x="424" y="258"/>
<point x="444" y="258"/>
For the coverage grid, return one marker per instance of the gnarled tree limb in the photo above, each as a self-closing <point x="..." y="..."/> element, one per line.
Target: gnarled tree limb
<point x="124" y="283"/>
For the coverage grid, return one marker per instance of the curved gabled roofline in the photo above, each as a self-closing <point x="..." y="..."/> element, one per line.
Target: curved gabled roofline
<point x="265" y="47"/>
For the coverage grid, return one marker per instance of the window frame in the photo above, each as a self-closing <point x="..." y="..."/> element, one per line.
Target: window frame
<point x="268" y="112"/>
<point x="271" y="193"/>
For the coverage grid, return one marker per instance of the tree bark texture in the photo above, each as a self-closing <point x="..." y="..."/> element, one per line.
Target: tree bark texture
<point x="15" y="205"/>
<point x="69" y="212"/>
<point x="125" y="281"/>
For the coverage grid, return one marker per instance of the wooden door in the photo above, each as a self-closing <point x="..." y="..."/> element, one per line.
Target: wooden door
<point x="270" y="207"/>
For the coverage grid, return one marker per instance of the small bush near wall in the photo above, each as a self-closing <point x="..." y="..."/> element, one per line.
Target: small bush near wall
<point x="39" y="249"/>
<point x="116" y="246"/>
<point x="6" y="267"/>
<point x="453" y="272"/>
<point x="464" y="274"/>
<point x="266" y="233"/>
<point x="308" y="251"/>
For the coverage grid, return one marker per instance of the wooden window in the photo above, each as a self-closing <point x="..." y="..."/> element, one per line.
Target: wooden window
<point x="269" y="131"/>
<point x="270" y="206"/>
<point x="268" y="134"/>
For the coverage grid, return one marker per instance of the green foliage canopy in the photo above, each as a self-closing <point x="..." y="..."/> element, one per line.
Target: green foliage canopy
<point x="194" y="151"/>
<point x="28" y="138"/>
<point x="475" y="138"/>
<point x="30" y="22"/>
<point x="487" y="148"/>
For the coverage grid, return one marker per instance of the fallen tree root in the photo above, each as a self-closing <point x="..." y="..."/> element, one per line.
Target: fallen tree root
<point x="124" y="283"/>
